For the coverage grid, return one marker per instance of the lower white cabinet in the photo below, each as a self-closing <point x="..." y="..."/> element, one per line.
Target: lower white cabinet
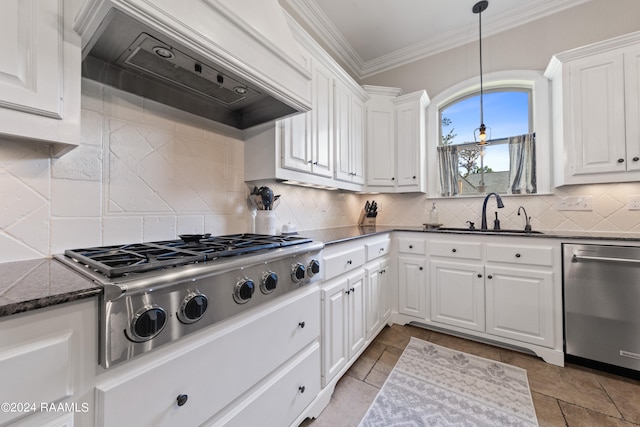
<point x="378" y="307"/>
<point x="343" y="314"/>
<point x="412" y="286"/>
<point x="211" y="378"/>
<point x="457" y="294"/>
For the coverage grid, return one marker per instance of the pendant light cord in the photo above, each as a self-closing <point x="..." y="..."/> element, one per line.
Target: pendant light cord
<point x="480" y="42"/>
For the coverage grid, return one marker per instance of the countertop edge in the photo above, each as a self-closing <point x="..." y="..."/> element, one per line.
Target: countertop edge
<point x="49" y="301"/>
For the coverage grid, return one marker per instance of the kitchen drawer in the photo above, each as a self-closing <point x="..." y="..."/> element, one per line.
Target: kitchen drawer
<point x="238" y="355"/>
<point x="411" y="246"/>
<point x="35" y="371"/>
<point x="455" y="249"/>
<point x="377" y="248"/>
<point x="342" y="262"/>
<point x="529" y="255"/>
<point x="283" y="398"/>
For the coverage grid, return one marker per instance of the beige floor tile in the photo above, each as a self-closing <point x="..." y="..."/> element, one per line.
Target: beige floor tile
<point x="625" y="393"/>
<point x="349" y="403"/>
<point x="571" y="385"/>
<point x="548" y="411"/>
<point x="383" y="367"/>
<point x="577" y="416"/>
<point x="394" y="336"/>
<point x="361" y="368"/>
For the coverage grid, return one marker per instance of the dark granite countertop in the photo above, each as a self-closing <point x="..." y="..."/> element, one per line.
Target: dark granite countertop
<point x="31" y="284"/>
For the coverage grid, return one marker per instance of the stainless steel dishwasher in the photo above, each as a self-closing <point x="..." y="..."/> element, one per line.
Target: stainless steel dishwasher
<point x="602" y="306"/>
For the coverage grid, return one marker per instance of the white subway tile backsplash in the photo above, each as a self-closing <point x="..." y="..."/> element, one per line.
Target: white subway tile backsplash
<point x="91" y="130"/>
<point x="121" y="230"/>
<point x="32" y="230"/>
<point x="190" y="224"/>
<point x="158" y="228"/>
<point x="73" y="233"/>
<point x="12" y="249"/>
<point x="17" y="200"/>
<point x="82" y="163"/>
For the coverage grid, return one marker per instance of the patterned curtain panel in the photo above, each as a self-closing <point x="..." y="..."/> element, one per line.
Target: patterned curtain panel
<point x="522" y="171"/>
<point x="448" y="166"/>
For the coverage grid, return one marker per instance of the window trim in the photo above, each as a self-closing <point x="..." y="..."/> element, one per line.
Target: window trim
<point x="540" y="116"/>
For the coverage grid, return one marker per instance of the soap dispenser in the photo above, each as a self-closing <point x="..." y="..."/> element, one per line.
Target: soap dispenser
<point x="433" y="215"/>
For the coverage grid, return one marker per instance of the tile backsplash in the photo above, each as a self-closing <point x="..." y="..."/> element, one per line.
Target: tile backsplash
<point x="147" y="172"/>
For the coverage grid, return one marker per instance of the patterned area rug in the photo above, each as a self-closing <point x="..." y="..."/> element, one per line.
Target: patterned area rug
<point x="435" y="386"/>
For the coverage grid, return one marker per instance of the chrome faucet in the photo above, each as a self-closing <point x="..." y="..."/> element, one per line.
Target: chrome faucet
<point x="484" y="208"/>
<point x="527" y="226"/>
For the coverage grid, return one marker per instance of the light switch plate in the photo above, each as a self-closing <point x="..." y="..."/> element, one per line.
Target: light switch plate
<point x="633" y="202"/>
<point x="574" y="203"/>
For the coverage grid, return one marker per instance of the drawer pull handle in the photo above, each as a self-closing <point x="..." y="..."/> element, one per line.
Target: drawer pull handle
<point x="301" y="324"/>
<point x="301" y="389"/>
<point x="182" y="399"/>
<point x="381" y="249"/>
<point x="518" y="255"/>
<point x="454" y="250"/>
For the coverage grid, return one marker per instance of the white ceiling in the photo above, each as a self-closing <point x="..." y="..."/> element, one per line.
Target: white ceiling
<point x="371" y="36"/>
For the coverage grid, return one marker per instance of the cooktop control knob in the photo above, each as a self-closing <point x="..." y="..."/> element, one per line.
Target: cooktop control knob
<point x="244" y="291"/>
<point x="192" y="308"/>
<point x="269" y="282"/>
<point x="297" y="274"/>
<point x="314" y="267"/>
<point x="147" y="323"/>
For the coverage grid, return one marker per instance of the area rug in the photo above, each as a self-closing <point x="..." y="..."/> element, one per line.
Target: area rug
<point x="435" y="386"/>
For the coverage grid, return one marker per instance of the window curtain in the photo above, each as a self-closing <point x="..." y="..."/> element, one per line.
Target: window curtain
<point x="522" y="170"/>
<point x="448" y="167"/>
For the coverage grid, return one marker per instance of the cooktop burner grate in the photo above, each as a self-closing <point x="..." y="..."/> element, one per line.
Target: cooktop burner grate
<point x="118" y="260"/>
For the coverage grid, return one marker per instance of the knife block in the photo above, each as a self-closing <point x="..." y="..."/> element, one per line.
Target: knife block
<point x="365" y="220"/>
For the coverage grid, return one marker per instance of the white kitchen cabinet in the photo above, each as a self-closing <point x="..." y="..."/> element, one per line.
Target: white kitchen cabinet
<point x="221" y="372"/>
<point x="457" y="294"/>
<point x="412" y="276"/>
<point x="40" y="73"/>
<point x="349" y="134"/>
<point x="596" y="110"/>
<point x="343" y="314"/>
<point x="378" y="309"/>
<point x="396" y="140"/>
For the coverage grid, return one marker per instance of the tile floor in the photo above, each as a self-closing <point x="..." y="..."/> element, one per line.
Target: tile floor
<point x="569" y="396"/>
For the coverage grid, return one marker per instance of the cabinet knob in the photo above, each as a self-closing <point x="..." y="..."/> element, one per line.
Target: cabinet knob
<point x="182" y="399"/>
<point x="352" y="290"/>
<point x="518" y="255"/>
<point x="310" y="161"/>
<point x="620" y="160"/>
<point x="454" y="250"/>
<point x="479" y="275"/>
<point x="489" y="277"/>
<point x="301" y="324"/>
<point x="635" y="159"/>
<point x="421" y="268"/>
<point x="315" y="163"/>
<point x="393" y="178"/>
<point x="301" y="389"/>
<point x="349" y="262"/>
<point x="414" y="177"/>
<point x="410" y="246"/>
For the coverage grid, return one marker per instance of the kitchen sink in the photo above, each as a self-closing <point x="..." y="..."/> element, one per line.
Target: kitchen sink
<point x="476" y="230"/>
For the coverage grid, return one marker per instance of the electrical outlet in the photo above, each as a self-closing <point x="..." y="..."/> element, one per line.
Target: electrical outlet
<point x="574" y="203"/>
<point x="633" y="202"/>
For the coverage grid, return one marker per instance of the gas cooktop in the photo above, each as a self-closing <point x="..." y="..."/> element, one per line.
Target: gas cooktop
<point x="119" y="260"/>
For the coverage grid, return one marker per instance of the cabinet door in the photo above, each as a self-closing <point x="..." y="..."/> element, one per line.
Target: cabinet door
<point x="380" y="146"/>
<point x="457" y="294"/>
<point x="342" y="103"/>
<point x="408" y="143"/>
<point x="632" y="107"/>
<point x="357" y="140"/>
<point x="296" y="143"/>
<point x="597" y="112"/>
<point x="30" y="65"/>
<point x="334" y="329"/>
<point x="322" y="123"/>
<point x="412" y="287"/>
<point x="520" y="304"/>
<point x="385" y="290"/>
<point x="356" y="301"/>
<point x="373" y="313"/>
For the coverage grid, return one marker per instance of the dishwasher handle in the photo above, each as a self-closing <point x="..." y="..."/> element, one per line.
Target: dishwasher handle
<point x="578" y="258"/>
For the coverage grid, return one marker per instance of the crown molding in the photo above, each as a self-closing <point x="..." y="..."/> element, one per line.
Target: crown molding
<point x="328" y="34"/>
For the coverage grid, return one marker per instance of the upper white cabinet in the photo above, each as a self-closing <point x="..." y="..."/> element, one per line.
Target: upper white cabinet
<point x="396" y="140"/>
<point x="324" y="146"/>
<point x="40" y="72"/>
<point x="596" y="112"/>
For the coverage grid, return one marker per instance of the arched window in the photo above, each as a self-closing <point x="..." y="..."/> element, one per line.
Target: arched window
<point x="508" y="162"/>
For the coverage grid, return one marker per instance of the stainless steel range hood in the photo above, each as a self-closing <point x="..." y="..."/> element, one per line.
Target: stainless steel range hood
<point x="143" y="59"/>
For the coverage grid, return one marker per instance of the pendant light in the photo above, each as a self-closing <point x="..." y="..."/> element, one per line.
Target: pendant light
<point x="478" y="8"/>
